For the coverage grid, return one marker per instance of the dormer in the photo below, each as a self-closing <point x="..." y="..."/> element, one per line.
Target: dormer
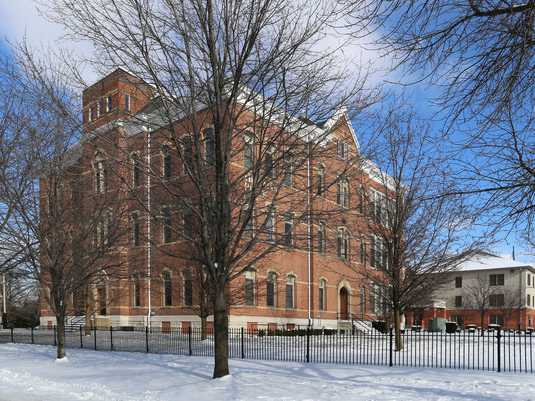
<point x="117" y="96"/>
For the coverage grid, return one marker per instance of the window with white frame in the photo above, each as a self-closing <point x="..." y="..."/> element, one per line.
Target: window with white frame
<point x="187" y="153"/>
<point x="136" y="229"/>
<point x="290" y="292"/>
<point x="270" y="224"/>
<point x="127" y="102"/>
<point x="322" y="239"/>
<point x="269" y="163"/>
<point x="362" y="251"/>
<point x="209" y="145"/>
<point x="320" y="180"/>
<point x="379" y="257"/>
<point x="249" y="287"/>
<point x="288" y="229"/>
<point x="322" y="294"/>
<point x="100" y="175"/>
<point x="342" y="149"/>
<point x="342" y="193"/>
<point x="248" y="151"/>
<point x="167" y="166"/>
<point x="378" y="204"/>
<point x="167" y="288"/>
<point x="271" y="289"/>
<point x="342" y="243"/>
<point x="167" y="225"/>
<point x="136" y="291"/>
<point x="188" y="288"/>
<point x="109" y="103"/>
<point x="288" y="172"/>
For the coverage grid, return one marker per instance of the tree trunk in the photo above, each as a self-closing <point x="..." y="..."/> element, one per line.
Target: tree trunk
<point x="220" y="333"/>
<point x="397" y="329"/>
<point x="60" y="335"/>
<point x="203" y="328"/>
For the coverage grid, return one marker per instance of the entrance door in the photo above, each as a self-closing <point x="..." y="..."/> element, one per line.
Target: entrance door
<point x="344" y="304"/>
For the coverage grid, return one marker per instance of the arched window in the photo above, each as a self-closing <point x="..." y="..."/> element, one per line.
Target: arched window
<point x="136" y="291"/>
<point x="290" y="292"/>
<point x="166" y="162"/>
<point x="323" y="294"/>
<point x="271" y="289"/>
<point x="342" y="193"/>
<point x="100" y="174"/>
<point x="167" y="289"/>
<point x="249" y="287"/>
<point x="136" y="170"/>
<point x="342" y="243"/>
<point x="188" y="288"/>
<point x="320" y="180"/>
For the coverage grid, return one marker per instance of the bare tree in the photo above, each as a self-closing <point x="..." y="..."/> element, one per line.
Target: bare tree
<point x="478" y="296"/>
<point x="416" y="234"/>
<point x="68" y="241"/>
<point x="244" y="102"/>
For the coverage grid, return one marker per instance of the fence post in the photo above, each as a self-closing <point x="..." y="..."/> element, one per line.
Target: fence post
<point x="242" y="344"/>
<point x="499" y="337"/>
<point x="32" y="334"/>
<point x="308" y="344"/>
<point x="147" y="339"/>
<point x="189" y="341"/>
<point x="390" y="351"/>
<point x="81" y="339"/>
<point x="55" y="339"/>
<point x="95" y="336"/>
<point x="12" y="337"/>
<point x="111" y="338"/>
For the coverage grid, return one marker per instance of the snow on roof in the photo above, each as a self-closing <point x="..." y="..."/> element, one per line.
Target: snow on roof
<point x="488" y="261"/>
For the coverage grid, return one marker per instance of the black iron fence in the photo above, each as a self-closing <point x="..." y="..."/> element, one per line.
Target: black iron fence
<point x="480" y="350"/>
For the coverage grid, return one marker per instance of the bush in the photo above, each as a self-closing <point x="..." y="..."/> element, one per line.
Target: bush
<point x="380" y="325"/>
<point x="451" y="327"/>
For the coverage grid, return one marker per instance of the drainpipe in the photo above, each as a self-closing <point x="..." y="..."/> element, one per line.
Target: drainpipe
<point x="149" y="211"/>
<point x="309" y="236"/>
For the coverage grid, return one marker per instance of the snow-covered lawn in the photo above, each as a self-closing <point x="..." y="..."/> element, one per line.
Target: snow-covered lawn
<point x="30" y="373"/>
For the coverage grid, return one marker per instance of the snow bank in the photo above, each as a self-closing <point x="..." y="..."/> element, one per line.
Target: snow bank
<point x="30" y="373"/>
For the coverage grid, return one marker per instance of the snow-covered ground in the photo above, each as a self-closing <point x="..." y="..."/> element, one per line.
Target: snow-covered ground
<point x="30" y="373"/>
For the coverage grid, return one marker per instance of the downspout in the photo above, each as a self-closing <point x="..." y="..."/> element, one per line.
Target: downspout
<point x="149" y="211"/>
<point x="309" y="236"/>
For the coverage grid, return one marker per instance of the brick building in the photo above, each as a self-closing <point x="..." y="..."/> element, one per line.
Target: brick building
<point x="293" y="286"/>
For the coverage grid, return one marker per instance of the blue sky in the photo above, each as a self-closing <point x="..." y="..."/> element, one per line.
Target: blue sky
<point x="21" y="18"/>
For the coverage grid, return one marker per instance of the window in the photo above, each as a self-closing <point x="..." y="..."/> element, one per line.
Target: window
<point x="188" y="288"/>
<point x="90" y="115"/>
<point x="458" y="282"/>
<point x="496" y="319"/>
<point x="290" y="292"/>
<point x="269" y="164"/>
<point x="271" y="289"/>
<point x="209" y="145"/>
<point x="288" y="229"/>
<point x="127" y="102"/>
<point x="529" y="280"/>
<point x="342" y="193"/>
<point x="136" y="291"/>
<point x="136" y="170"/>
<point x="166" y="162"/>
<point x="362" y="301"/>
<point x="320" y="180"/>
<point x="377" y="300"/>
<point x="100" y="175"/>
<point x="167" y="225"/>
<point x="342" y="149"/>
<point x="496" y="300"/>
<point x="322" y="294"/>
<point x="342" y="243"/>
<point x="99" y="110"/>
<point x="458" y="301"/>
<point x="136" y="240"/>
<point x="249" y="287"/>
<point x="288" y="169"/>
<point x="270" y="224"/>
<point x="102" y="301"/>
<point x="360" y="206"/>
<point x="248" y="152"/>
<point x="362" y="251"/>
<point x="379" y="257"/>
<point x="167" y="289"/>
<point x="458" y="319"/>
<point x="187" y="223"/>
<point x="379" y="211"/>
<point x="529" y="300"/>
<point x="496" y="279"/>
<point x="321" y="237"/>
<point x="109" y="103"/>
